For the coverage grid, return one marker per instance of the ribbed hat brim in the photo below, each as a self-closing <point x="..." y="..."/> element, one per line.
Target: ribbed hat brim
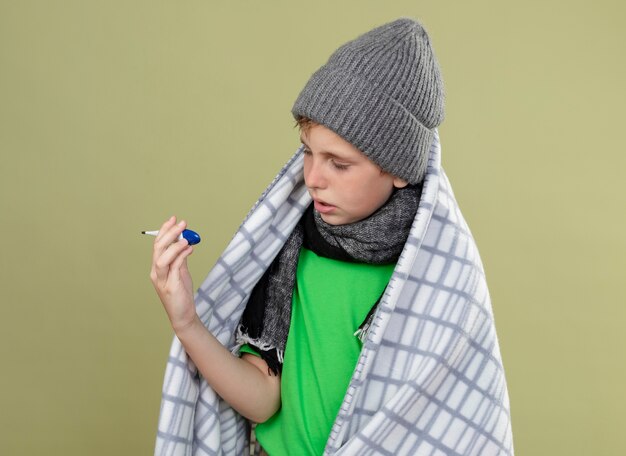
<point x="365" y="116"/>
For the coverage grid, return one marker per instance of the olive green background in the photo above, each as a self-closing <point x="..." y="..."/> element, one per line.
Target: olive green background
<point x="115" y="115"/>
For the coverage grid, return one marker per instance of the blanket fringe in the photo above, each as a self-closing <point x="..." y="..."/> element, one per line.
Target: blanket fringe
<point x="242" y="338"/>
<point x="363" y="330"/>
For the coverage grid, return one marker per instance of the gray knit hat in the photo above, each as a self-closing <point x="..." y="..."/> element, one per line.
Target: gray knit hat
<point x="383" y="93"/>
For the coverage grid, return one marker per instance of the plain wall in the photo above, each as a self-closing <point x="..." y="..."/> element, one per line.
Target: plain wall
<point x="115" y="115"/>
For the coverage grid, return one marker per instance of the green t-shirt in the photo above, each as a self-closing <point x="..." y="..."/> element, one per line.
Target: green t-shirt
<point x="330" y="301"/>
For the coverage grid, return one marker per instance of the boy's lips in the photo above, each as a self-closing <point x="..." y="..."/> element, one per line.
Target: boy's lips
<point x="323" y="207"/>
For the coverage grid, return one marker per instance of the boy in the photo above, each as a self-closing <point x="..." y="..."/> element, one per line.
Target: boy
<point x="358" y="235"/>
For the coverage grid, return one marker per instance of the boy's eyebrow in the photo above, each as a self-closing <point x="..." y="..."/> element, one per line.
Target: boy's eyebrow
<point x="332" y="154"/>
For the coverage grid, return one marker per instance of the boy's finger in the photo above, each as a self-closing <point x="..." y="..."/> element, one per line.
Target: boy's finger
<point x="171" y="233"/>
<point x="163" y="264"/>
<point x="168" y="237"/>
<point x="178" y="263"/>
<point x="184" y="269"/>
<point x="166" y="225"/>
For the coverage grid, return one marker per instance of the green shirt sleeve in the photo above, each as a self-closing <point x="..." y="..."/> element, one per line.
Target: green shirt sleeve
<point x="246" y="348"/>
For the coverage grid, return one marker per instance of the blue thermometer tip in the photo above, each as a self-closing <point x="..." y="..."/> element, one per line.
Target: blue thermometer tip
<point x="192" y="237"/>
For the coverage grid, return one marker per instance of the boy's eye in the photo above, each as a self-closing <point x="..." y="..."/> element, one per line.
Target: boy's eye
<point x="340" y="166"/>
<point x="335" y="165"/>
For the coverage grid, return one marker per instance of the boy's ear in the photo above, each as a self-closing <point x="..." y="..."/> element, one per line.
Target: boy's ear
<point x="399" y="183"/>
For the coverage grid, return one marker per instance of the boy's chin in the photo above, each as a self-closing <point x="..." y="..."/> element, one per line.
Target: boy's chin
<point x="336" y="219"/>
<point x="332" y="219"/>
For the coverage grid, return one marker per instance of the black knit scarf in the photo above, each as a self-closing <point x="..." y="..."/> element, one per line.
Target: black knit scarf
<point x="377" y="239"/>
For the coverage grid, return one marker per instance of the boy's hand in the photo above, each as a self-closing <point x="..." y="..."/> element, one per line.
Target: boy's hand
<point x="245" y="383"/>
<point x="170" y="276"/>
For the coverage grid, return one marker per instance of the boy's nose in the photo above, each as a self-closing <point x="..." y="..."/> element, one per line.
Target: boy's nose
<point x="313" y="174"/>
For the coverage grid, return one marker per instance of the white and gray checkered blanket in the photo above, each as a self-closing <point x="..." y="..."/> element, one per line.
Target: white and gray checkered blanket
<point x="429" y="380"/>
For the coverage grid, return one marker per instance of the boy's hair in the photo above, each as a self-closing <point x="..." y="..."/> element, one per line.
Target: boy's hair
<point x="383" y="93"/>
<point x="304" y="124"/>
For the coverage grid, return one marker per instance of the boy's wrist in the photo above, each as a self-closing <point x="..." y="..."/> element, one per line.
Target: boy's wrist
<point x="187" y="326"/>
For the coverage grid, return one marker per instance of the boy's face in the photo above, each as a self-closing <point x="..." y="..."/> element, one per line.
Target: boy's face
<point x="346" y="186"/>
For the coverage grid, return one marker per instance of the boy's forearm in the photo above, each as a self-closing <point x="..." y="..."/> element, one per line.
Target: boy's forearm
<point x="253" y="393"/>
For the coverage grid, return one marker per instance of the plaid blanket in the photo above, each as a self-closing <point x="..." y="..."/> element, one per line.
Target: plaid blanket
<point x="429" y="380"/>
